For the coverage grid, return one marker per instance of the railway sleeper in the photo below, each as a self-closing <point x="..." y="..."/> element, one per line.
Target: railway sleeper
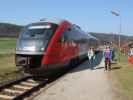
<point x="29" y="84"/>
<point x="6" y="97"/>
<point x="19" y="90"/>
<point x="13" y="91"/>
<point x="9" y="93"/>
<point x="31" y="81"/>
<point x="20" y="87"/>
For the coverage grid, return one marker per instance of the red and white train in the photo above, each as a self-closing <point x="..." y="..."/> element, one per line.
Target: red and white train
<point x="46" y="46"/>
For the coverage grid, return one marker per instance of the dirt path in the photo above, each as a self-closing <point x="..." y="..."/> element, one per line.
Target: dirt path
<point x="82" y="83"/>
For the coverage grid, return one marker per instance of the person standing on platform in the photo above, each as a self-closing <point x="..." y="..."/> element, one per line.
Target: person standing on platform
<point x="107" y="56"/>
<point x="91" y="56"/>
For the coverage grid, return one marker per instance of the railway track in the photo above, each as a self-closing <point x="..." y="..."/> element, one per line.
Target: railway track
<point x="20" y="88"/>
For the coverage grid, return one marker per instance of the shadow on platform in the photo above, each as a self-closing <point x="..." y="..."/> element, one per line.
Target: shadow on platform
<point x="99" y="68"/>
<point x="87" y="65"/>
<point x="115" y="68"/>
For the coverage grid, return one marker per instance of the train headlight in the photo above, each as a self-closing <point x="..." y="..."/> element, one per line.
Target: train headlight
<point x="42" y="49"/>
<point x="18" y="48"/>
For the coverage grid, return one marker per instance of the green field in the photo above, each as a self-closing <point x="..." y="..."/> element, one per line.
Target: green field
<point x="7" y="43"/>
<point x="8" y="69"/>
<point x="122" y="78"/>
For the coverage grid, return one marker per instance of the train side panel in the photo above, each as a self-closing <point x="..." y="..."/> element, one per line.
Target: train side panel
<point x="54" y="50"/>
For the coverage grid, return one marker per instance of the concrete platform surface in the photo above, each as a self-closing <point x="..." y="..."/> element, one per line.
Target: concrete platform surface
<point x="82" y="83"/>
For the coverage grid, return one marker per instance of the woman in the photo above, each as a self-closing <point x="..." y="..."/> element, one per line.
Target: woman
<point x="107" y="56"/>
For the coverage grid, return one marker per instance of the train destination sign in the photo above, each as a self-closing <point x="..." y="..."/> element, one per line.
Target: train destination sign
<point x="40" y="27"/>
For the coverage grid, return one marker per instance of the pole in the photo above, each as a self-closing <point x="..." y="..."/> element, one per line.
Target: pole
<point x="120" y="34"/>
<point x="120" y="38"/>
<point x="117" y="13"/>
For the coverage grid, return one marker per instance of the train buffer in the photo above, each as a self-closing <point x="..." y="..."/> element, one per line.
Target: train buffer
<point x="82" y="83"/>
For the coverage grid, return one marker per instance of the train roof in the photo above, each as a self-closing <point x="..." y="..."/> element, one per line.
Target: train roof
<point x="58" y="21"/>
<point x="91" y="36"/>
<point x="52" y="20"/>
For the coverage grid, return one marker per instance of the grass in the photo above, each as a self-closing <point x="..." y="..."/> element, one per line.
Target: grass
<point x="7" y="43"/>
<point x="8" y="69"/>
<point x="7" y="46"/>
<point x="122" y="78"/>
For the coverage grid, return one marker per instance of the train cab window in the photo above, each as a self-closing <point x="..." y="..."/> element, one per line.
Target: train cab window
<point x="41" y="30"/>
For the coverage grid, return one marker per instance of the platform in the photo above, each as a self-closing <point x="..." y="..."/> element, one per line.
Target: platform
<point x="82" y="83"/>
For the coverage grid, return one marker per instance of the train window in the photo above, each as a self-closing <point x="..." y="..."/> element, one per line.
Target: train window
<point x="69" y="29"/>
<point x="38" y="31"/>
<point x="75" y="35"/>
<point x="64" y="35"/>
<point x="70" y="33"/>
<point x="59" y="39"/>
<point x="76" y="26"/>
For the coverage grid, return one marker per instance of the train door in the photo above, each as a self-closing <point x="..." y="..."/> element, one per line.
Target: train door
<point x="74" y="37"/>
<point x="63" y="39"/>
<point x="72" y="44"/>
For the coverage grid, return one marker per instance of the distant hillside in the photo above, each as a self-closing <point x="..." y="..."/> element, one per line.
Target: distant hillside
<point x="112" y="38"/>
<point x="12" y="30"/>
<point x="9" y="30"/>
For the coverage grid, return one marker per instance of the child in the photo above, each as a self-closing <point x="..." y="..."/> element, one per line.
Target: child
<point x="90" y="55"/>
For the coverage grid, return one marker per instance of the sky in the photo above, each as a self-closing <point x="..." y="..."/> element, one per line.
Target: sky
<point x="90" y="15"/>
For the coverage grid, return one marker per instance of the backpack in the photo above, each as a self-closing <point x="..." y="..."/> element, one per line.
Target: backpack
<point x="107" y="53"/>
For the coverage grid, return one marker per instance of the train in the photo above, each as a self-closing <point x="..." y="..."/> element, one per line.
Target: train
<point x="50" y="44"/>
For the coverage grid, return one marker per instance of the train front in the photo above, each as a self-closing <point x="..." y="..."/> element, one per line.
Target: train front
<point x="31" y="46"/>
